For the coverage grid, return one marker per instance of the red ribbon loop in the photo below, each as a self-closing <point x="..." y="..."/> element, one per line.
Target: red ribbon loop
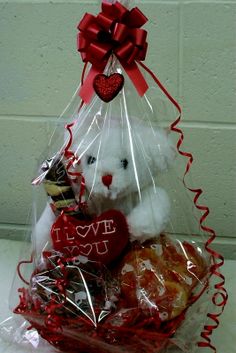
<point x="85" y="22"/>
<point x="136" y="18"/>
<point x="139" y="37"/>
<point x="115" y="30"/>
<point x="93" y="31"/>
<point x="116" y="10"/>
<point x="105" y="21"/>
<point x="120" y="32"/>
<point x="124" y="50"/>
<point x="98" y="52"/>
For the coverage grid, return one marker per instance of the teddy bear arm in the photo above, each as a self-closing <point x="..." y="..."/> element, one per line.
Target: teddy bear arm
<point x="41" y="233"/>
<point x="150" y="217"/>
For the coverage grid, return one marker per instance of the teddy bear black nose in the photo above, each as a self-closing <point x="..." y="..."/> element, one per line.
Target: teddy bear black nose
<point x="107" y="180"/>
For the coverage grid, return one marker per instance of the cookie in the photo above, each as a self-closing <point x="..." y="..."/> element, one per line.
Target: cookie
<point x="58" y="186"/>
<point x="160" y="277"/>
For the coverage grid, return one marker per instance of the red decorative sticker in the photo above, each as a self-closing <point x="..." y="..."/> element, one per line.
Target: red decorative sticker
<point x="101" y="239"/>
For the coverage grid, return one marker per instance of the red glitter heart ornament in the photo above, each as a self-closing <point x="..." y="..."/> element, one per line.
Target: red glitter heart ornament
<point x="101" y="239"/>
<point x="107" y="87"/>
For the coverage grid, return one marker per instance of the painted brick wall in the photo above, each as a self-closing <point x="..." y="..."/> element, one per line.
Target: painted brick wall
<point x="193" y="51"/>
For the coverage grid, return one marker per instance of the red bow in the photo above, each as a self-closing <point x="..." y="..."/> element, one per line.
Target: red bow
<point x="115" y="30"/>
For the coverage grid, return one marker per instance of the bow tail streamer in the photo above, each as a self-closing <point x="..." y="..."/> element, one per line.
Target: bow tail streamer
<point x="220" y="297"/>
<point x="86" y="91"/>
<point x="136" y="77"/>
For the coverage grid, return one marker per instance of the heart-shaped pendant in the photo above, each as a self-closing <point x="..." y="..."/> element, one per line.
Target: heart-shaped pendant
<point x="107" y="87"/>
<point x="101" y="239"/>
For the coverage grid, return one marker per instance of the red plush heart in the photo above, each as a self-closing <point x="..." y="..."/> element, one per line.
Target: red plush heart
<point x="101" y="239"/>
<point x="107" y="87"/>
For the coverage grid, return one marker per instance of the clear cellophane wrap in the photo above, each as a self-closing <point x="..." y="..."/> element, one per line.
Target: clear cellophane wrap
<point x="120" y="259"/>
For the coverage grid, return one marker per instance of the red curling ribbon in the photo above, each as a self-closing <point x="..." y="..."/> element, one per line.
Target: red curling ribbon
<point x="71" y="157"/>
<point x="24" y="262"/>
<point x="115" y="30"/>
<point x="218" y="260"/>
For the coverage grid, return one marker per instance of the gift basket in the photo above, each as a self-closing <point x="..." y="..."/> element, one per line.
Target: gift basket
<point x="116" y="265"/>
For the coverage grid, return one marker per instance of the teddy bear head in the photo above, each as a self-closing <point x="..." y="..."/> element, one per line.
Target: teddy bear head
<point x="121" y="159"/>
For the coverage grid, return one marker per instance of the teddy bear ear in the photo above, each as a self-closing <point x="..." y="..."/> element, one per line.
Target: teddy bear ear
<point x="158" y="147"/>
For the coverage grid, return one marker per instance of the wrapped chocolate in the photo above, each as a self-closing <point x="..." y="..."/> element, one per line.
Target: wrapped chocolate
<point x="117" y="264"/>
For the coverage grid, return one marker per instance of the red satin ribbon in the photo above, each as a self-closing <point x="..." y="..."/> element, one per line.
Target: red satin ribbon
<point x="115" y="30"/>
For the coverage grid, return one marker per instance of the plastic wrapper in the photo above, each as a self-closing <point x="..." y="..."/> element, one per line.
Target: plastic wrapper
<point x="116" y="264"/>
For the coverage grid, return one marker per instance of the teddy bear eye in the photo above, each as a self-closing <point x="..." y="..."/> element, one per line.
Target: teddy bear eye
<point x="124" y="163"/>
<point x="91" y="160"/>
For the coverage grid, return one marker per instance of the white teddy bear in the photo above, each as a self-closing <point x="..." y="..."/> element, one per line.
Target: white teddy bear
<point x="120" y="165"/>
